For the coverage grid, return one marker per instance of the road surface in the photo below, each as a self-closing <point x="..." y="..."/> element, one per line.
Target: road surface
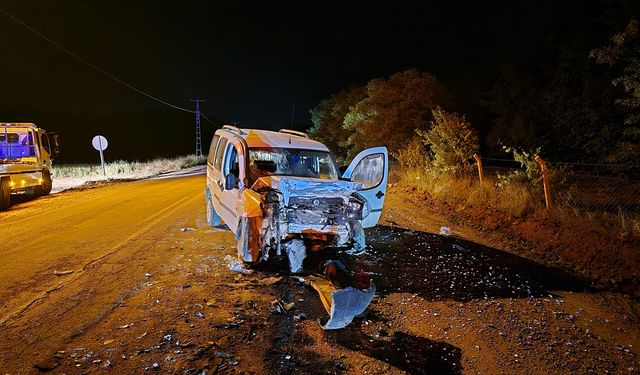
<point x="114" y="279"/>
<point x="109" y="237"/>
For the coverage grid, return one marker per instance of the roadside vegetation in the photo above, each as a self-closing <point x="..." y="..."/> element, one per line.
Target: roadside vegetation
<point x="579" y="110"/>
<point x="70" y="175"/>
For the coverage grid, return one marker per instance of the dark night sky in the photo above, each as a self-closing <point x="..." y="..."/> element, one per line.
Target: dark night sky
<point x="251" y="61"/>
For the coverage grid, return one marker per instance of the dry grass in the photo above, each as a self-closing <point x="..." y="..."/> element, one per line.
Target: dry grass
<point x="121" y="168"/>
<point x="514" y="198"/>
<point x="519" y="200"/>
<point x="70" y="175"/>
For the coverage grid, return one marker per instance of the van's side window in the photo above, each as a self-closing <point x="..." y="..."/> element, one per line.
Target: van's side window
<point x="231" y="165"/>
<point x="212" y="149"/>
<point x="220" y="153"/>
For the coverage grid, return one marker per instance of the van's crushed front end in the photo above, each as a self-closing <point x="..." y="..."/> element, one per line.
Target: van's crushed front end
<point x="309" y="218"/>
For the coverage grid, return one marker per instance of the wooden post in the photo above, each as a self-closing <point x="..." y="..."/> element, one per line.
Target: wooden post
<point x="545" y="180"/>
<point x="480" y="171"/>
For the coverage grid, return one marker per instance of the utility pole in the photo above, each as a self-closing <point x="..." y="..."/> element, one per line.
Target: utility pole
<point x="198" y="137"/>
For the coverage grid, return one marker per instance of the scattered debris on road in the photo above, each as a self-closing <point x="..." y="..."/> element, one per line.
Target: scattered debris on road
<point x="236" y="266"/>
<point x="62" y="273"/>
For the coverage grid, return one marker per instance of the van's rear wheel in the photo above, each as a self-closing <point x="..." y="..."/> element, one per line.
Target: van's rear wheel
<point x="5" y="193"/>
<point x="47" y="184"/>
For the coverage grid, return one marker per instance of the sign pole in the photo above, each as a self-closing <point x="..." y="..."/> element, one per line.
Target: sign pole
<point x="104" y="171"/>
<point x="100" y="144"/>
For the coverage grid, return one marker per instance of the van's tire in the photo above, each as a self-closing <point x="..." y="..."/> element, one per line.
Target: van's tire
<point x="46" y="186"/>
<point x="5" y="194"/>
<point x="213" y="219"/>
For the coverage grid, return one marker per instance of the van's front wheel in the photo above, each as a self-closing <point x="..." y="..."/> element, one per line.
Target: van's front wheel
<point x="5" y="193"/>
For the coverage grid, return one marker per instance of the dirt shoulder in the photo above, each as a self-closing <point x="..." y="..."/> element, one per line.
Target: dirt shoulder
<point x="606" y="261"/>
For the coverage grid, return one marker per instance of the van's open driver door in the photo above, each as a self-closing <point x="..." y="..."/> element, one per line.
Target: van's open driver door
<point x="371" y="168"/>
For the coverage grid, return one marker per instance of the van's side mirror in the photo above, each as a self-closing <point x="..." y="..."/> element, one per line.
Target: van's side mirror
<point x="230" y="182"/>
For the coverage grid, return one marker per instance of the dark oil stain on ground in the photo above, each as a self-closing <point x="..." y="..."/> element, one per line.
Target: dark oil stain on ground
<point x="415" y="355"/>
<point x="438" y="267"/>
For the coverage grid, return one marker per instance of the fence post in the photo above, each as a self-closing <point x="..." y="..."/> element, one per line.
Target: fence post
<point x="480" y="172"/>
<point x="545" y="180"/>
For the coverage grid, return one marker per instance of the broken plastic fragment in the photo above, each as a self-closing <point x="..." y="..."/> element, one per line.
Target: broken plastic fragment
<point x="347" y="303"/>
<point x="288" y="306"/>
<point x="358" y="238"/>
<point x="301" y="316"/>
<point x="187" y="229"/>
<point x="458" y="247"/>
<point x="446" y="231"/>
<point x="235" y="265"/>
<point x="296" y="253"/>
<point x="342" y="304"/>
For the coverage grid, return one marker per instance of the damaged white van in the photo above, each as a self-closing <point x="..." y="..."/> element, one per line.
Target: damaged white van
<point x="281" y="193"/>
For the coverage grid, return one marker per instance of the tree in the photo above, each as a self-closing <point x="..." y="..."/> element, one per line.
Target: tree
<point x="563" y="103"/>
<point x="623" y="57"/>
<point x="328" y="118"/>
<point x="451" y="142"/>
<point x="391" y="110"/>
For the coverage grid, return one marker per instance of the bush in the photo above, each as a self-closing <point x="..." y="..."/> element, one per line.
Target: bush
<point x="413" y="156"/>
<point x="451" y="142"/>
<point x="529" y="174"/>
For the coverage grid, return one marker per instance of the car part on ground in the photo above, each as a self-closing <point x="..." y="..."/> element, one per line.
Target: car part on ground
<point x="342" y="304"/>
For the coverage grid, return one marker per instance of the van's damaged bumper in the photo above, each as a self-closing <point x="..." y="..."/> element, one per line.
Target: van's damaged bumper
<point x="301" y="217"/>
<point x="342" y="304"/>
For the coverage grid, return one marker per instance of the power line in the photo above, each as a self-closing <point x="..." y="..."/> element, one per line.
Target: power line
<point x="126" y="45"/>
<point x="57" y="45"/>
<point x="206" y="118"/>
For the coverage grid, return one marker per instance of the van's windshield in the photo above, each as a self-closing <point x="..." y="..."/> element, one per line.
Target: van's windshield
<point x="16" y="143"/>
<point x="291" y="162"/>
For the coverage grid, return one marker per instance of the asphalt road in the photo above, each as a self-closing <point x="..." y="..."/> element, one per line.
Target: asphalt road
<point x="109" y="237"/>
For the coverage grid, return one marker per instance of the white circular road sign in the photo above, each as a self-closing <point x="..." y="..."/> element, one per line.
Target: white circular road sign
<point x="99" y="143"/>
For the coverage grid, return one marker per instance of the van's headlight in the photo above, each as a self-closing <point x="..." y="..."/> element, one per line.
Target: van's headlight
<point x="358" y="208"/>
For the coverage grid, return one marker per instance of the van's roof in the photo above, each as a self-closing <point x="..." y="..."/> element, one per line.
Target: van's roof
<point x="257" y="138"/>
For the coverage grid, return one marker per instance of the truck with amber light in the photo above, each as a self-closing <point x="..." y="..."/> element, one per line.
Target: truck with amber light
<point x="26" y="153"/>
<point x="282" y="196"/>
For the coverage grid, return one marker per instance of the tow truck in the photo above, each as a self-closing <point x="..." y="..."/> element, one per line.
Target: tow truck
<point x="26" y="154"/>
